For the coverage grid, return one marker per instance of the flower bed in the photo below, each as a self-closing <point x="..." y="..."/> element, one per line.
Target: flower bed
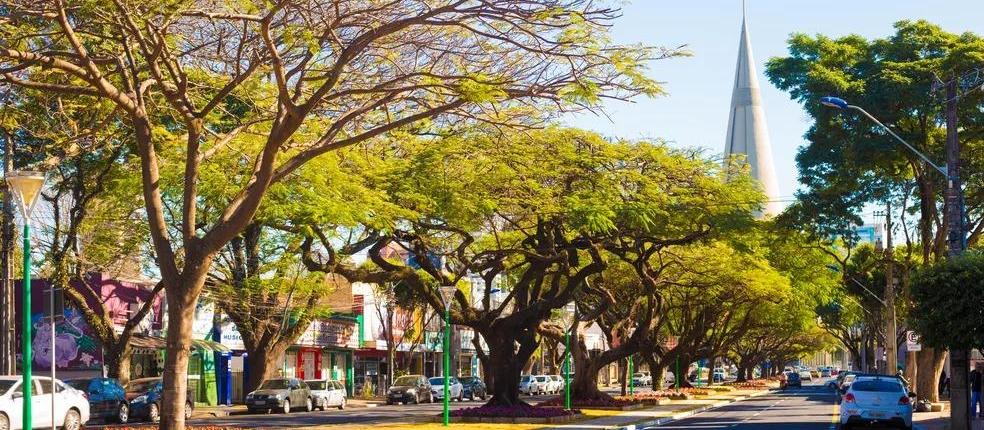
<point x="682" y="394"/>
<point x="748" y="384"/>
<point x="514" y="415"/>
<point x="614" y="404"/>
<point x="648" y="399"/>
<point x="720" y="389"/>
<point x="189" y="427"/>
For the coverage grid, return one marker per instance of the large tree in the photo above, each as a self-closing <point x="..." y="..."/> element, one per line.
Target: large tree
<point x="850" y="161"/>
<point x="312" y="76"/>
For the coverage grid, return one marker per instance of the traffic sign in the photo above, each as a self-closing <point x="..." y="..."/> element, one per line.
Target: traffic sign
<point x="912" y="341"/>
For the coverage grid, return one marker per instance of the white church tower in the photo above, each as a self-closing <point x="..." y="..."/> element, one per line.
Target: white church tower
<point x="748" y="135"/>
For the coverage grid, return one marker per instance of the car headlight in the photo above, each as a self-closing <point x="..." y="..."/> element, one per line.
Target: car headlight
<point x="280" y="396"/>
<point x="412" y="391"/>
<point x="141" y="399"/>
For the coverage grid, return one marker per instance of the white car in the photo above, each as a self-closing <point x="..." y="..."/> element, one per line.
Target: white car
<point x="71" y="406"/>
<point x="533" y="385"/>
<point x="875" y="399"/>
<point x="327" y="393"/>
<point x="556" y="384"/>
<point x="456" y="391"/>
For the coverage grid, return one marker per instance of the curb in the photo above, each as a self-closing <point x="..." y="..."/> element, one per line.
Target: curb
<point x="679" y="416"/>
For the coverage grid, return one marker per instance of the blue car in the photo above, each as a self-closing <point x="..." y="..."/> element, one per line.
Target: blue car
<point x="145" y="399"/>
<point x="107" y="398"/>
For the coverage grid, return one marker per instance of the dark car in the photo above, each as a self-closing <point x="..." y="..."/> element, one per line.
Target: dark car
<point x="107" y="398"/>
<point x="793" y="379"/>
<point x="410" y="389"/>
<point x="145" y="399"/>
<point x="280" y="393"/>
<point x="474" y="387"/>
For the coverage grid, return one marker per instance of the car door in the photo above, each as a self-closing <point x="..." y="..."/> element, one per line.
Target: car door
<point x="338" y="393"/>
<point x="16" y="405"/>
<point x="41" y="403"/>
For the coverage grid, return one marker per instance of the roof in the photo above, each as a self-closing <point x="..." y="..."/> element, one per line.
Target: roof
<point x="154" y="342"/>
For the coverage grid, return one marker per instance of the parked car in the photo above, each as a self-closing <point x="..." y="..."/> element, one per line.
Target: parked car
<point x="474" y="387"/>
<point x="455" y="390"/>
<point x="719" y="375"/>
<point x="107" y="398"/>
<point x="533" y="385"/>
<point x="144" y="396"/>
<point x="793" y="379"/>
<point x="71" y="407"/>
<point x="876" y="399"/>
<point x="556" y="383"/>
<point x="280" y="393"/>
<point x="806" y="375"/>
<point x="641" y="380"/>
<point x="410" y="389"/>
<point x="327" y="393"/>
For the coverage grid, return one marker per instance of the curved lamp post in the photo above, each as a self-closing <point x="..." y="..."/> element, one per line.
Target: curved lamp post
<point x="26" y="187"/>
<point x="447" y="295"/>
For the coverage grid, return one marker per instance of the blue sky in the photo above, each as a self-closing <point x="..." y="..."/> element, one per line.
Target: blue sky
<point x="694" y="113"/>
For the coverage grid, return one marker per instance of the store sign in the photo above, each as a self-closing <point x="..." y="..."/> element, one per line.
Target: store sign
<point x="330" y="333"/>
<point x="231" y="337"/>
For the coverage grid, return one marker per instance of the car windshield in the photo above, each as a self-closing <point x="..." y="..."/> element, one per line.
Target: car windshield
<point x="274" y="384"/>
<point x="877" y="385"/>
<point x="79" y="384"/>
<point x="141" y="386"/>
<point x="406" y="380"/>
<point x="527" y="378"/>
<point x="541" y="378"/>
<point x="467" y="379"/>
<point x="438" y="380"/>
<point x="317" y="385"/>
<point x="637" y="375"/>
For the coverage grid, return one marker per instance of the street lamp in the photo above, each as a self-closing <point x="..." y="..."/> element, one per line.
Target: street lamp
<point x="569" y="318"/>
<point x="447" y="295"/>
<point x="26" y="187"/>
<point x="839" y="103"/>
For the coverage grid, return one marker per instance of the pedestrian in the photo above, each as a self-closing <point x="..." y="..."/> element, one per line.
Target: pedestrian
<point x="976" y="381"/>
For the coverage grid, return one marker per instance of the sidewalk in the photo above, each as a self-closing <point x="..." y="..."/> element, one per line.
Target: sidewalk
<point x="939" y="421"/>
<point x="226" y="410"/>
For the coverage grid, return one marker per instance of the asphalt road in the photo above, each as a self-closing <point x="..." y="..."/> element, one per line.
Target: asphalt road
<point x="332" y="416"/>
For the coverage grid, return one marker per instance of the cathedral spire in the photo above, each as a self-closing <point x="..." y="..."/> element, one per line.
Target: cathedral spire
<point x="748" y="134"/>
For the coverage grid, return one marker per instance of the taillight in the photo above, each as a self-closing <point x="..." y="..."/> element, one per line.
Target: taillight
<point x="849" y="398"/>
<point x="904" y="400"/>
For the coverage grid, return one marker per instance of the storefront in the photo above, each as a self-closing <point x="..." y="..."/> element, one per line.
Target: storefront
<point x="203" y="376"/>
<point x="326" y="350"/>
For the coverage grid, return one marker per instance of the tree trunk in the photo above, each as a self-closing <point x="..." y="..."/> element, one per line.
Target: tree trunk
<point x="262" y="364"/>
<point x="911" y="366"/>
<point x="585" y="383"/>
<point x="930" y="362"/>
<point x="180" y="312"/>
<point x="710" y="371"/>
<point x="117" y="359"/>
<point x="507" y="365"/>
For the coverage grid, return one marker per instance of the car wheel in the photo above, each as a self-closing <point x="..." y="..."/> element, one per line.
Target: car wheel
<point x="416" y="399"/>
<point x="123" y="413"/>
<point x="73" y="420"/>
<point x="286" y="407"/>
<point x="484" y="394"/>
<point x="154" y="413"/>
<point x="309" y="406"/>
<point x="341" y="406"/>
<point x="189" y="409"/>
<point x="4" y="422"/>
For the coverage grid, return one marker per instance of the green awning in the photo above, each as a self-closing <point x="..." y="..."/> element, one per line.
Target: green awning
<point x="143" y="341"/>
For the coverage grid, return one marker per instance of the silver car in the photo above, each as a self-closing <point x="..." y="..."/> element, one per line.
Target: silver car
<point x="281" y="393"/>
<point x="327" y="393"/>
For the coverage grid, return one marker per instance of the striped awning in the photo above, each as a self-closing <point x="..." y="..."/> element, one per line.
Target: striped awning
<point x="145" y="342"/>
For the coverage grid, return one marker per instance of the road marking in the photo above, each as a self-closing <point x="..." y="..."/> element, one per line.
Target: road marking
<point x="835" y="417"/>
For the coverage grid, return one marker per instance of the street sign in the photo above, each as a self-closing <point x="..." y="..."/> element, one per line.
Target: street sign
<point x="912" y="341"/>
<point x="447" y="294"/>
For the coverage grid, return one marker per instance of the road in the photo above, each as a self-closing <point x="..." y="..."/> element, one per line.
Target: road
<point x="808" y="408"/>
<point x="393" y="413"/>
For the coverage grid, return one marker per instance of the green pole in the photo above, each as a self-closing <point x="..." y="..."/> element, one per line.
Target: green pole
<point x="447" y="365"/>
<point x="631" y="383"/>
<point x="26" y="358"/>
<point x="699" y="369"/>
<point x="567" y="370"/>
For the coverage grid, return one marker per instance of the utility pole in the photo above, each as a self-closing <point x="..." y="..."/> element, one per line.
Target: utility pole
<point x="956" y="241"/>
<point x="891" y="343"/>
<point x="7" y="336"/>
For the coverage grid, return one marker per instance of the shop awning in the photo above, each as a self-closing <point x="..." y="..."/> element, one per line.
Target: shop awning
<point x="142" y="341"/>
